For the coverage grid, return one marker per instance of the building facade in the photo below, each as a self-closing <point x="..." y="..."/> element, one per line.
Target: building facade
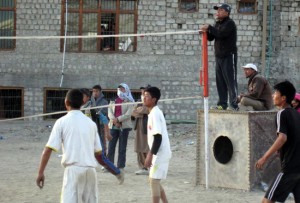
<point x="36" y="66"/>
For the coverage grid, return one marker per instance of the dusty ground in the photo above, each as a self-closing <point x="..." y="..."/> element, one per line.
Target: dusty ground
<point x="21" y="144"/>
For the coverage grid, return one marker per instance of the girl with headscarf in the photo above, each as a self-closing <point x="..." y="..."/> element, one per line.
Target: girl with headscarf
<point x="120" y="124"/>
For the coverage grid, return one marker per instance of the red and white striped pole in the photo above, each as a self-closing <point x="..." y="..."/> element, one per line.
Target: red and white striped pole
<point x="204" y="83"/>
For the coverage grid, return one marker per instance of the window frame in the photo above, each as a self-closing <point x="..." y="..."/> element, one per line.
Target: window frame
<point x="98" y="11"/>
<point x="14" y="9"/>
<point x="247" y="1"/>
<point x="186" y="1"/>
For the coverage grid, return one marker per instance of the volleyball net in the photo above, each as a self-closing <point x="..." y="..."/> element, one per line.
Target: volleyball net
<point x="9" y="100"/>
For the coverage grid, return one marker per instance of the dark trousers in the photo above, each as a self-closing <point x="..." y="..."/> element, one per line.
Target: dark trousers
<point x="103" y="160"/>
<point x="122" y="136"/>
<point x="226" y="73"/>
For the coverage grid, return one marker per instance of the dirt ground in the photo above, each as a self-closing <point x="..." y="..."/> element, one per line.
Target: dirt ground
<point x="22" y="142"/>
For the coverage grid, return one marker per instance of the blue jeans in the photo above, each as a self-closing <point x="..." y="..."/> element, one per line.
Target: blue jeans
<point x="122" y="136"/>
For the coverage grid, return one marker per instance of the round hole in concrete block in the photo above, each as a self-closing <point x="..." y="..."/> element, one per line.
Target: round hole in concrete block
<point x="223" y="149"/>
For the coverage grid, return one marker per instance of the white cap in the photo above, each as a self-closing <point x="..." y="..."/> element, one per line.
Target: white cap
<point x="250" y="65"/>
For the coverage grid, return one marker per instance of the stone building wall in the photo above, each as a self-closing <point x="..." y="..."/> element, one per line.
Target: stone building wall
<point x="171" y="62"/>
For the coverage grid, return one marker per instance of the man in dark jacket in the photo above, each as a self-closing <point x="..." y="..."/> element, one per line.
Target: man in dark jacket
<point x="259" y="96"/>
<point x="224" y="33"/>
<point x="98" y="99"/>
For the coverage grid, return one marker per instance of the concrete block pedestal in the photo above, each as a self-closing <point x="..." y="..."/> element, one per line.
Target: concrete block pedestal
<point x="236" y="141"/>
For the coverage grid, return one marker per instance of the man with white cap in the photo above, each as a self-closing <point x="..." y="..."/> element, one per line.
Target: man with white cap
<point x="259" y="96"/>
<point x="224" y="33"/>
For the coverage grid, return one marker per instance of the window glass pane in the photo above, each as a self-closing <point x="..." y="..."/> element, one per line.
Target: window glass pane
<point x="127" y="4"/>
<point x="188" y="5"/>
<point x="10" y="103"/>
<point x="108" y="28"/>
<point x="73" y="21"/>
<point x="6" y="29"/>
<point x="247" y="7"/>
<point x="55" y="101"/>
<point x="7" y="20"/>
<point x="126" y="26"/>
<point x="89" y="28"/>
<point x="7" y="3"/>
<point x="90" y="4"/>
<point x="108" y="4"/>
<point x="73" y="4"/>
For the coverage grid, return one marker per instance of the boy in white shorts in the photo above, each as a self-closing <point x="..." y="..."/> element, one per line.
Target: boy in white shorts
<point x="77" y="135"/>
<point x="158" y="140"/>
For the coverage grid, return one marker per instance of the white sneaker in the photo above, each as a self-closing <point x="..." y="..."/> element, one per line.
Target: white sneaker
<point x="121" y="177"/>
<point x="142" y="172"/>
<point x="104" y="170"/>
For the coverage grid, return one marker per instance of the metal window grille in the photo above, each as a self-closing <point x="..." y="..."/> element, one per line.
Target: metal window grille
<point x="247" y="6"/>
<point x="54" y="102"/>
<point x="11" y="103"/>
<point x="188" y="5"/>
<point x="100" y="17"/>
<point x="7" y="24"/>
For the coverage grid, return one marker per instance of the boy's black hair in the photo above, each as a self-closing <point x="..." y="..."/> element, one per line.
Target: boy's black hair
<point x="147" y="86"/>
<point x="86" y="92"/>
<point x="98" y="87"/>
<point x="75" y="98"/>
<point x="286" y="88"/>
<point x="154" y="92"/>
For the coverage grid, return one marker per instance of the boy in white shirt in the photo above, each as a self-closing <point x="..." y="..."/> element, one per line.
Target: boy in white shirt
<point x="77" y="135"/>
<point x="158" y="140"/>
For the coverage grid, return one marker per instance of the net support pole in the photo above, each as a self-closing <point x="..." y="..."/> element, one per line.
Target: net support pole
<point x="65" y="43"/>
<point x="205" y="97"/>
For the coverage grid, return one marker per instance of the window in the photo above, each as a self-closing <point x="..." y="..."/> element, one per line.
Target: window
<point x="54" y="101"/>
<point x="11" y="103"/>
<point x="7" y="24"/>
<point x="110" y="95"/>
<point x="247" y="6"/>
<point x="99" y="17"/>
<point x="188" y="5"/>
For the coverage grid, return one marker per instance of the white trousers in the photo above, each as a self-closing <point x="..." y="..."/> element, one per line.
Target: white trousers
<point x="79" y="185"/>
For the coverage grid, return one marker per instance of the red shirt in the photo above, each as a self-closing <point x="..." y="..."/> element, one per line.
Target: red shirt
<point x="118" y="109"/>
